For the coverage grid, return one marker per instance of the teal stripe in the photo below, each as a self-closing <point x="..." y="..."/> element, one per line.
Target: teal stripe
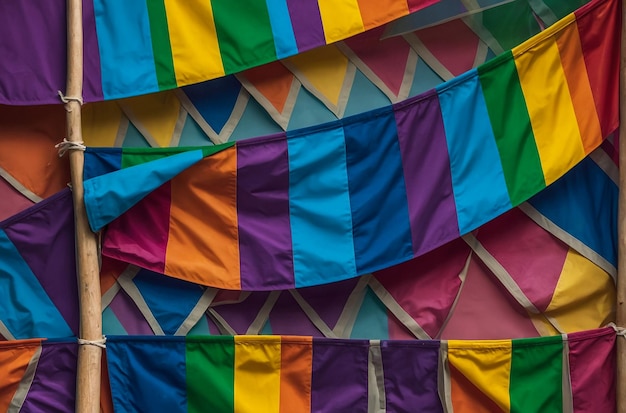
<point x="480" y="190"/>
<point x="319" y="205"/>
<point x="129" y="46"/>
<point x="25" y="308"/>
<point x="284" y="39"/>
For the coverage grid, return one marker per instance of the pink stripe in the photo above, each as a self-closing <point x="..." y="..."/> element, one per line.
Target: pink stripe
<point x="592" y="367"/>
<point x="149" y="223"/>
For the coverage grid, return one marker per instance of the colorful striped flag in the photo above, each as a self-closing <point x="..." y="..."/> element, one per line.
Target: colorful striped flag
<point x="314" y="206"/>
<point x="303" y="374"/>
<point x="37" y="267"/>
<point x="177" y="44"/>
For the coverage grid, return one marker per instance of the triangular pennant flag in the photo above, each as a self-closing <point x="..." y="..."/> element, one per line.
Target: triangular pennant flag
<point x="390" y="64"/>
<point x="156" y="116"/>
<point x="275" y="88"/>
<point x="327" y="74"/>
<point x="216" y="105"/>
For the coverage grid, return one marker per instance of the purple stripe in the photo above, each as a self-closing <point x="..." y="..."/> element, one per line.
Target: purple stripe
<point x="33" y="50"/>
<point x="263" y="215"/>
<point x="426" y="167"/>
<point x="92" y="77"/>
<point x="307" y="24"/>
<point x="410" y="371"/>
<point x="129" y="315"/>
<point x="44" y="236"/>
<point x="54" y="385"/>
<point x="339" y="376"/>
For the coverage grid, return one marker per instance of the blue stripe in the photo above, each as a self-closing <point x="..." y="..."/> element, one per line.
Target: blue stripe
<point x="25" y="308"/>
<point x="101" y="161"/>
<point x="584" y="204"/>
<point x="109" y="196"/>
<point x="380" y="215"/>
<point x="129" y="46"/>
<point x="284" y="39"/>
<point x="147" y="375"/>
<point x="478" y="183"/>
<point x="319" y="205"/>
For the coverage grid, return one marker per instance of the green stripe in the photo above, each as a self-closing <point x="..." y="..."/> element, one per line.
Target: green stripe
<point x="244" y="33"/>
<point x="537" y="375"/>
<point x="137" y="156"/>
<point x="512" y="128"/>
<point x="161" y="48"/>
<point x="210" y="374"/>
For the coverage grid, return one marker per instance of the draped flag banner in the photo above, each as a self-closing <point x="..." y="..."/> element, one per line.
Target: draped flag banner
<point x="304" y="374"/>
<point x="38" y="294"/>
<point x="38" y="376"/>
<point x="452" y="163"/>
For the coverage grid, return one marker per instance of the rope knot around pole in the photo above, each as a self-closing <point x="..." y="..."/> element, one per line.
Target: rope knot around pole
<point x="98" y="343"/>
<point x="66" y="145"/>
<point x="67" y="99"/>
<point x="619" y="331"/>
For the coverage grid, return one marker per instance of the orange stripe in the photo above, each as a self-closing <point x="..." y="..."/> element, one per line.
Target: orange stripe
<point x="377" y="12"/>
<point x="573" y="62"/>
<point x="14" y="359"/>
<point x="295" y="374"/>
<point x="466" y="398"/>
<point x="203" y="244"/>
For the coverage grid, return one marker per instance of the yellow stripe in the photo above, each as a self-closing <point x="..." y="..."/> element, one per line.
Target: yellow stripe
<point x="584" y="297"/>
<point x="550" y="107"/>
<point x="487" y="365"/>
<point x="257" y="374"/>
<point x="193" y="38"/>
<point x="340" y="18"/>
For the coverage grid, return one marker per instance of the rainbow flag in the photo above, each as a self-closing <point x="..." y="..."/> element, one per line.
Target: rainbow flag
<point x="157" y="45"/>
<point x="545" y="374"/>
<point x="303" y="374"/>
<point x="314" y="206"/>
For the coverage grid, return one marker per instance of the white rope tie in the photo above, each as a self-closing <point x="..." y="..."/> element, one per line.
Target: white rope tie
<point x="66" y="145"/>
<point x="67" y="99"/>
<point x="98" y="343"/>
<point x="620" y="331"/>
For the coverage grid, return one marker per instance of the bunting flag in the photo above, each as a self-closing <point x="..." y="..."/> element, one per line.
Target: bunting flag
<point x="199" y="221"/>
<point x="38" y="376"/>
<point x="38" y="267"/>
<point x="304" y="374"/>
<point x="181" y="44"/>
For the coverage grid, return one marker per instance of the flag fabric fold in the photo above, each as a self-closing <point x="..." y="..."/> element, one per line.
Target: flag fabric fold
<point x="314" y="187"/>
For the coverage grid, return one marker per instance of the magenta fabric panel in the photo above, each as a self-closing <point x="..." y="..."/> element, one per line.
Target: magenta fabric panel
<point x="592" y="370"/>
<point x="512" y="238"/>
<point x="146" y="224"/>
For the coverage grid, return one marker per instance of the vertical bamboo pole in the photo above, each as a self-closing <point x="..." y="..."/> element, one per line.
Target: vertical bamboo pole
<point x="621" y="264"/>
<point x="89" y="356"/>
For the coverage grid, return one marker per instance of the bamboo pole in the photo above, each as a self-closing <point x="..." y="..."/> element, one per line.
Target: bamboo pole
<point x="621" y="264"/>
<point x="89" y="356"/>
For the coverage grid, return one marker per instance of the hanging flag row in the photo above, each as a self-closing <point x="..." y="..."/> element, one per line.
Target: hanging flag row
<point x="331" y="202"/>
<point x="277" y="374"/>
